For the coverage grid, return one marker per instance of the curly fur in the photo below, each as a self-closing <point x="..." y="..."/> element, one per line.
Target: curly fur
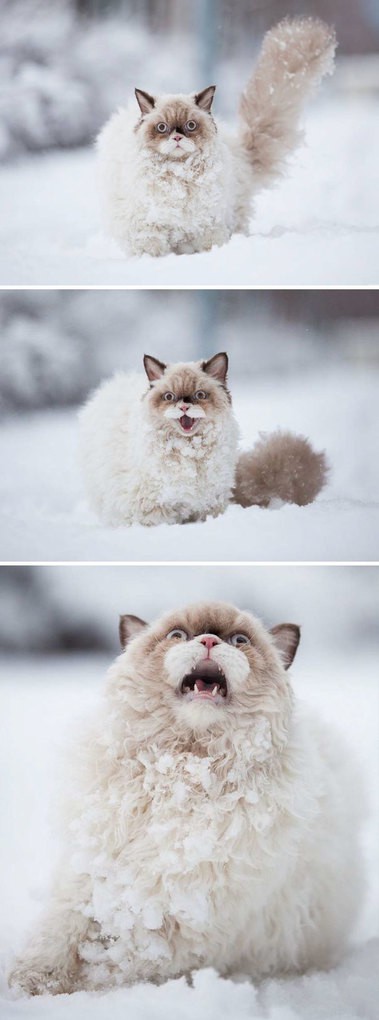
<point x="201" y="832"/>
<point x="280" y="466"/>
<point x="160" y="198"/>
<point x="295" y="56"/>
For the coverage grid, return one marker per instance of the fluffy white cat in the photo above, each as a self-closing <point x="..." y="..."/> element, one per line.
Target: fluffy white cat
<point x="164" y="453"/>
<point x="175" y="180"/>
<point x="168" y="452"/>
<point x="211" y="823"/>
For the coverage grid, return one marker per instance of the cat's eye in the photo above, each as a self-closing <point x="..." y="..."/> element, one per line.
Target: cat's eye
<point x="177" y="634"/>
<point x="191" y="125"/>
<point x="169" y="396"/>
<point x="200" y="395"/>
<point x="239" y="639"/>
<point x="162" y="128"/>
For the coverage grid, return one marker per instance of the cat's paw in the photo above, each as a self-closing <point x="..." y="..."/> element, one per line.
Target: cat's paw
<point x="156" y="245"/>
<point x="40" y="979"/>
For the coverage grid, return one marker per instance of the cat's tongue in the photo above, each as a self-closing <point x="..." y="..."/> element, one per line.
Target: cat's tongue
<point x="186" y="422"/>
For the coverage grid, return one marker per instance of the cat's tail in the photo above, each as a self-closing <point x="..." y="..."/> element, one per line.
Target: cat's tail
<point x="280" y="466"/>
<point x="295" y="56"/>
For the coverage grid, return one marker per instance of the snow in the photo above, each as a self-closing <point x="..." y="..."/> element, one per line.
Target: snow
<point x="41" y="698"/>
<point x="316" y="228"/>
<point x="43" y="515"/>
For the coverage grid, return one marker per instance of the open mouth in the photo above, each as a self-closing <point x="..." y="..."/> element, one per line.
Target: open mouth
<point x="205" y="682"/>
<point x="187" y="423"/>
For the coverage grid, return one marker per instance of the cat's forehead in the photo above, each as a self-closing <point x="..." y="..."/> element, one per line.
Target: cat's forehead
<point x="184" y="378"/>
<point x="175" y="109"/>
<point x="209" y="618"/>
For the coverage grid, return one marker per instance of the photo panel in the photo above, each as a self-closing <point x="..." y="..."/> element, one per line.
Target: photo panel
<point x="281" y="762"/>
<point x="273" y="181"/>
<point x="256" y="442"/>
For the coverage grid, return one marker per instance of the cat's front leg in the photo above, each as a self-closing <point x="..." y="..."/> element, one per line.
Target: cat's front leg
<point x="154" y="241"/>
<point x="216" y="235"/>
<point x="50" y="964"/>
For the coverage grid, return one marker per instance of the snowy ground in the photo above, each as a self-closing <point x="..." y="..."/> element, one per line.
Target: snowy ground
<point x="319" y="227"/>
<point x="40" y="699"/>
<point x="43" y="514"/>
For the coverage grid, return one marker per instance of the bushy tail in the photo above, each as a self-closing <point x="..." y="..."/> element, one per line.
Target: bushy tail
<point x="295" y="56"/>
<point x="280" y="466"/>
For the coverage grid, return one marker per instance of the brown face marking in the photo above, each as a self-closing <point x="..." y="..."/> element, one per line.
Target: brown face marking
<point x="184" y="382"/>
<point x="176" y="114"/>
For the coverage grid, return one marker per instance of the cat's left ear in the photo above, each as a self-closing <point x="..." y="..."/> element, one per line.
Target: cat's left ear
<point x="145" y="102"/>
<point x="286" y="638"/>
<point x="217" y="367"/>
<point x="154" y="369"/>
<point x="130" y="627"/>
<point x="205" y="98"/>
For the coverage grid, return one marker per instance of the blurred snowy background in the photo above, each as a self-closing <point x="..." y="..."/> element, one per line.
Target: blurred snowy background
<point x="58" y="633"/>
<point x="65" y="65"/>
<point x="303" y="360"/>
<point x="56" y="345"/>
<point x="76" y="609"/>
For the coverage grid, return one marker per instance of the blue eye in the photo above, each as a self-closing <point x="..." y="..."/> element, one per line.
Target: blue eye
<point x="178" y="634"/>
<point x="169" y="396"/>
<point x="200" y="395"/>
<point x="191" y="125"/>
<point x="238" y="639"/>
<point x="162" y="128"/>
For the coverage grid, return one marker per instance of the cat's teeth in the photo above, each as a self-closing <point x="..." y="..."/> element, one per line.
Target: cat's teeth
<point x="196" y="689"/>
<point x="215" y="689"/>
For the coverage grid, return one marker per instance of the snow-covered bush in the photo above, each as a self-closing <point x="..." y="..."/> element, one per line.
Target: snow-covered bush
<point x="62" y="76"/>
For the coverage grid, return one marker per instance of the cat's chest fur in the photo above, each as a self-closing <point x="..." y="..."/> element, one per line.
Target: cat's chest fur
<point x="184" y="478"/>
<point x="208" y="835"/>
<point x="176" y="192"/>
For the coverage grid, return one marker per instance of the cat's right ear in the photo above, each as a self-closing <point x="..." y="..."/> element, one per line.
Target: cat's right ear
<point x="145" y="102"/>
<point x="217" y="367"/>
<point x="154" y="369"/>
<point x="205" y="98"/>
<point x="286" y="638"/>
<point x="130" y="627"/>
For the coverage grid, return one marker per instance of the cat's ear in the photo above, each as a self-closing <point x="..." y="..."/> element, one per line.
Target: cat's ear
<point x="286" y="638"/>
<point x="205" y="98"/>
<point x="154" y="369"/>
<point x="130" y="627"/>
<point x="217" y="367"/>
<point x="145" y="102"/>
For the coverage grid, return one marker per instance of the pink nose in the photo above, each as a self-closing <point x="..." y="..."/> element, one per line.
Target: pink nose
<point x="177" y="138"/>
<point x="184" y="407"/>
<point x="209" y="640"/>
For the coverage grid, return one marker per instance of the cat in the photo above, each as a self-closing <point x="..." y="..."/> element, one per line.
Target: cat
<point x="168" y="452"/>
<point x="162" y="454"/>
<point x="175" y="180"/>
<point x="204" y="824"/>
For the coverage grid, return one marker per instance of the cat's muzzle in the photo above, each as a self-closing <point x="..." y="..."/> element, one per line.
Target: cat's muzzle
<point x="187" y="422"/>
<point x="205" y="682"/>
